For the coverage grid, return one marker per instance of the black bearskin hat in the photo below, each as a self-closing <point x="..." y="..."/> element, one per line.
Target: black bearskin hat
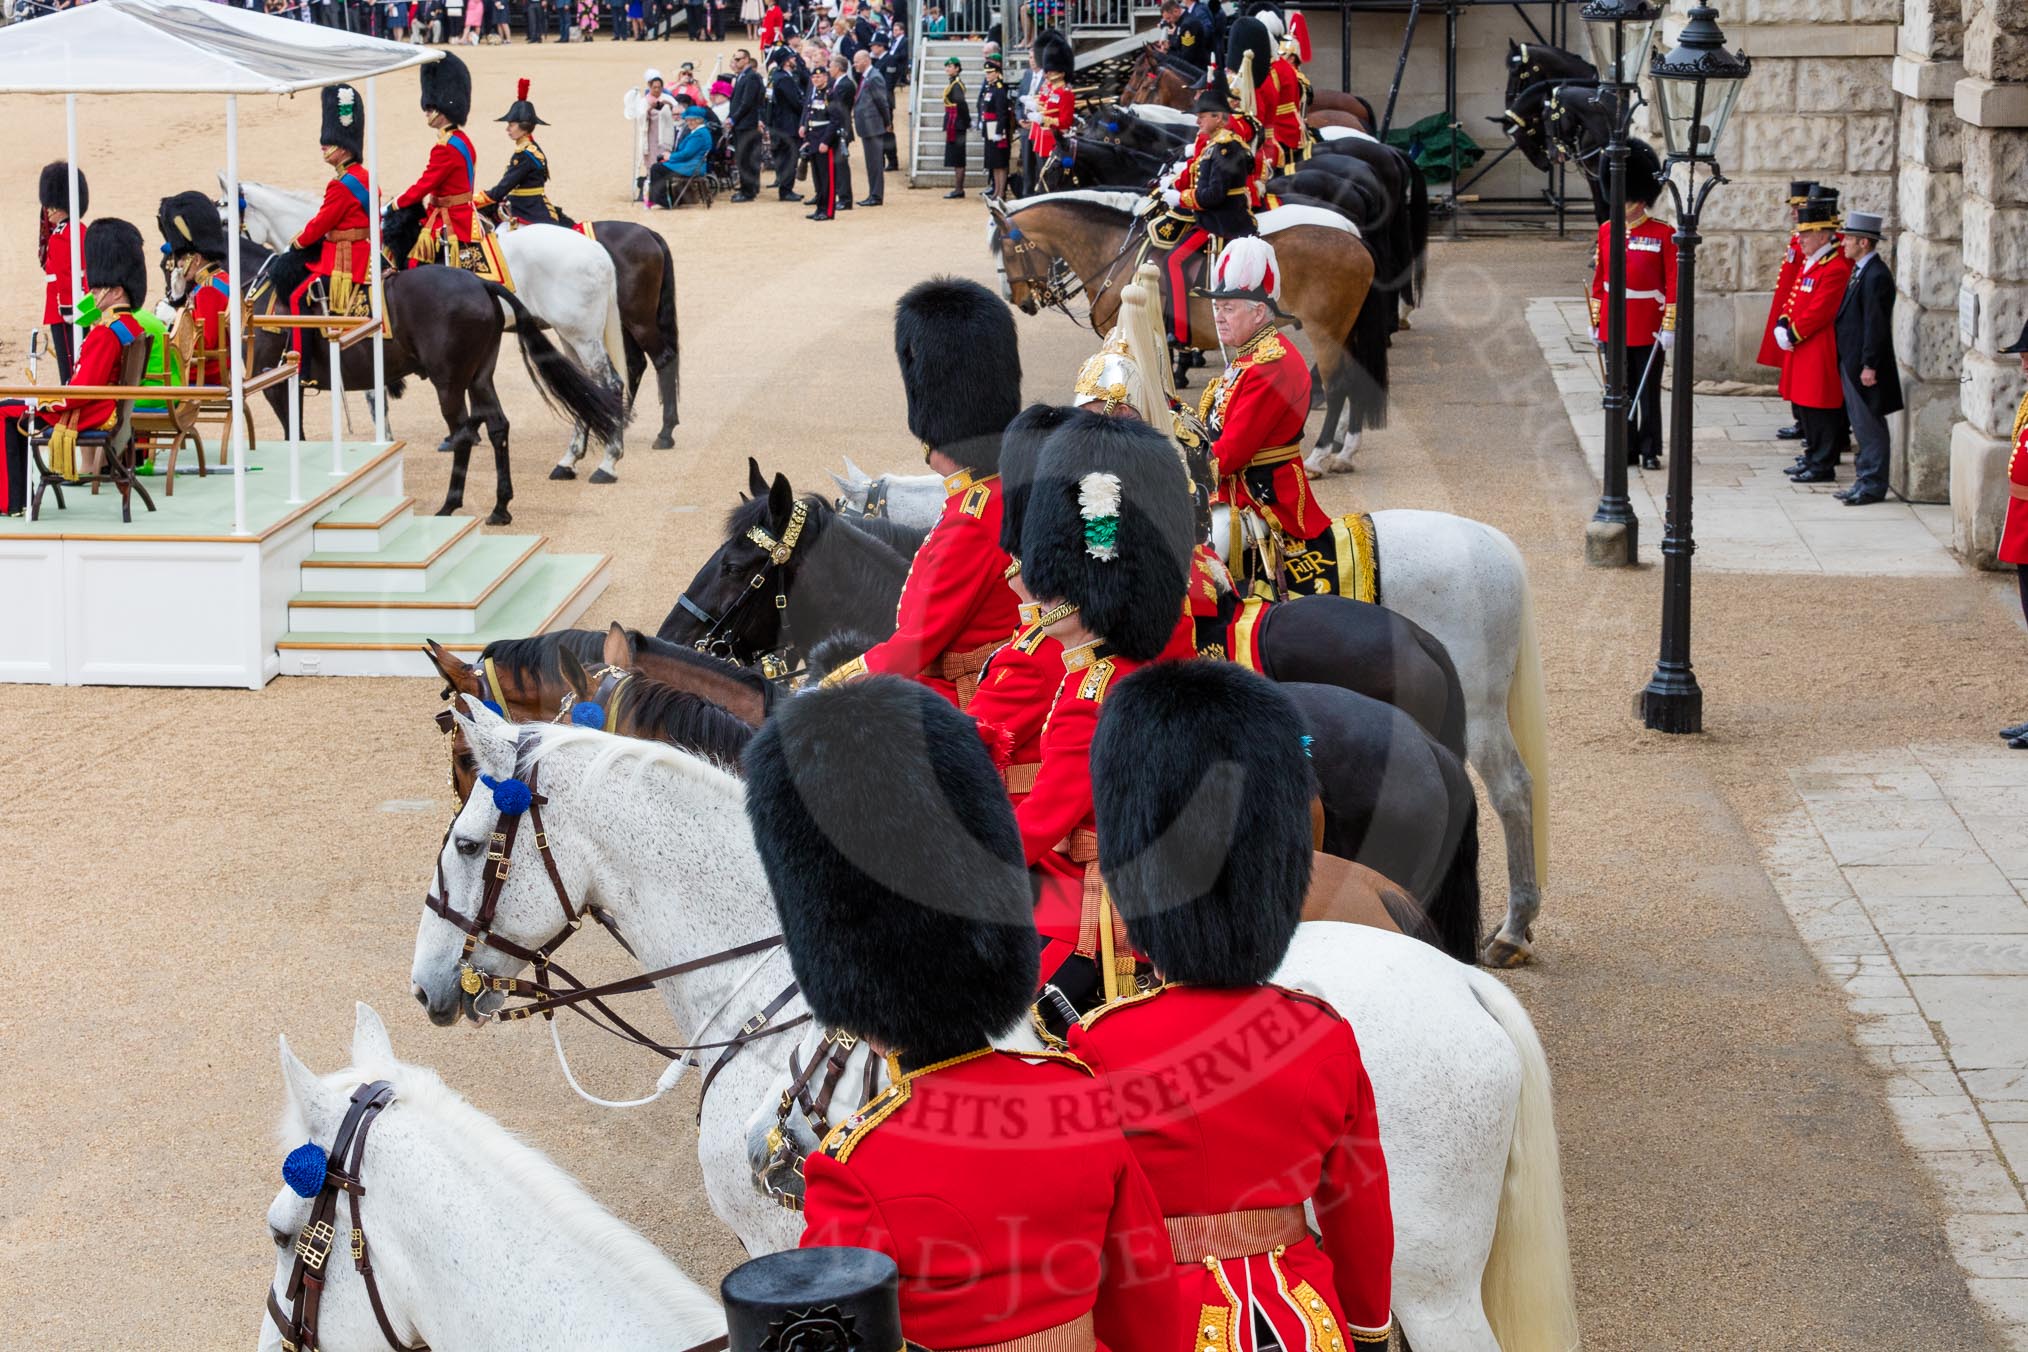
<point x="115" y="256"/>
<point x="961" y="368"/>
<point x="1202" y="793"/>
<point x="1644" y="173"/>
<point x="1215" y="97"/>
<point x="344" y="120"/>
<point x="1053" y="53"/>
<point x="190" y="224"/>
<point x="1109" y="529"/>
<point x="521" y="110"/>
<point x="896" y="866"/>
<point x="54" y="190"/>
<point x="447" y="89"/>
<point x="1250" y="35"/>
<point x="1020" y="453"/>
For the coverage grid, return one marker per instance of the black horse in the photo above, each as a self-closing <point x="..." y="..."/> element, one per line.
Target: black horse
<point x="1380" y="695"/>
<point x="444" y="324"/>
<point x="1555" y="109"/>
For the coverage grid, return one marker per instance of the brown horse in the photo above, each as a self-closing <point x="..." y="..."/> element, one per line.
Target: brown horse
<point x="1326" y="272"/>
<point x="1153" y="81"/>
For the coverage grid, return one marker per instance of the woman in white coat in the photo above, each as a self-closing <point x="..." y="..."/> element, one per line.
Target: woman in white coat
<point x="655" y="116"/>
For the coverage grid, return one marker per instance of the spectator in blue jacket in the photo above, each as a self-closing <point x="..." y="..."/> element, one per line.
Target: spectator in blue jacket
<point x="686" y="161"/>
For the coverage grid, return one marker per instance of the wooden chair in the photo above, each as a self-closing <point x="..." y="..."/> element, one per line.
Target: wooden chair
<point x="166" y="432"/>
<point x="117" y="441"/>
<point x="161" y="433"/>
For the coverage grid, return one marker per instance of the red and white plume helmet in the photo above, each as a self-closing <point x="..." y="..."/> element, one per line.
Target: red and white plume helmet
<point x="1249" y="270"/>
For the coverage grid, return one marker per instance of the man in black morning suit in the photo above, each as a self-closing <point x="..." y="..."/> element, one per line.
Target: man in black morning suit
<point x="1866" y="369"/>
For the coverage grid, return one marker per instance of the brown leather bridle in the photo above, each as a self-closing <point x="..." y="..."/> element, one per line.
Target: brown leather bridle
<point x="298" y="1323"/>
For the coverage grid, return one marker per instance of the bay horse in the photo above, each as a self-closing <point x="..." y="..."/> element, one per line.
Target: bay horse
<point x="1327" y="276"/>
<point x="1152" y="80"/>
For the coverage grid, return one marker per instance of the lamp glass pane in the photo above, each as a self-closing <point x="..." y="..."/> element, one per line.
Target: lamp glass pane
<point x="1600" y="33"/>
<point x="1640" y="39"/>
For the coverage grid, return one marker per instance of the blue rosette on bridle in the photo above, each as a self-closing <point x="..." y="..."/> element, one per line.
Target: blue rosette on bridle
<point x="305" y="1168"/>
<point x="510" y="796"/>
<point x="589" y="714"/>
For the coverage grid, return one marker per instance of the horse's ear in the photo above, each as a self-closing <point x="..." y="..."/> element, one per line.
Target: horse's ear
<point x="859" y="475"/>
<point x="619" y="651"/>
<point x="781" y="497"/>
<point x="370" y="1044"/>
<point x="756" y="482"/>
<point x="488" y="735"/>
<point x="574" y="674"/>
<point x="316" y="1106"/>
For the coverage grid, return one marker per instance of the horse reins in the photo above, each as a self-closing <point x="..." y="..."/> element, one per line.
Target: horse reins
<point x="774" y="666"/>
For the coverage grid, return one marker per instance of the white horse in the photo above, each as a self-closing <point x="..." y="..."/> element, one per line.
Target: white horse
<point x="477" y="1240"/>
<point x="659" y="841"/>
<point x="1463" y="581"/>
<point x="566" y="280"/>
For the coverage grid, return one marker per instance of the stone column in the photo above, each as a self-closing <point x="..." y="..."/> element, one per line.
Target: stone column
<point x="1928" y="258"/>
<point x="1992" y="103"/>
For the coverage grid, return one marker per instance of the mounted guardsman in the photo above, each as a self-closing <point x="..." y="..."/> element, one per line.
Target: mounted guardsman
<point x="52" y="251"/>
<point x="1203" y="788"/>
<point x="1800" y="190"/>
<point x="896" y="871"/>
<point x="1203" y="209"/>
<point x="341" y="228"/>
<point x="194" y="243"/>
<point x="1806" y="333"/>
<point x="1295" y="50"/>
<point x="1650" y="300"/>
<point x="1281" y="105"/>
<point x="1105" y="551"/>
<point x="522" y="194"/>
<point x="1249" y="61"/>
<point x="1054" y="109"/>
<point x="447" y="177"/>
<point x="961" y="368"/>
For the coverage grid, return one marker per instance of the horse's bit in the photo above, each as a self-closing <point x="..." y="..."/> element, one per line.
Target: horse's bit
<point x="298" y="1324"/>
<point x="779" y="1177"/>
<point x="773" y="665"/>
<point x="1053" y="288"/>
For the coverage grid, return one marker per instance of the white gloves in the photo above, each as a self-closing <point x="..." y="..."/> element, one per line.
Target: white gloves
<point x="1030" y="109"/>
<point x="1171" y="197"/>
<point x="1785" y="338"/>
<point x="1667" y="338"/>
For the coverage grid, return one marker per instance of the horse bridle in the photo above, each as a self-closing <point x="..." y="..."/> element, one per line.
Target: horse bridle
<point x="774" y="665"/>
<point x="305" y="1291"/>
<point x="1054" y="287"/>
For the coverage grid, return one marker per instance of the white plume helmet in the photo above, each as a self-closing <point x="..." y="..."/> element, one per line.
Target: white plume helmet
<point x="1247" y="269"/>
<point x="1273" y="23"/>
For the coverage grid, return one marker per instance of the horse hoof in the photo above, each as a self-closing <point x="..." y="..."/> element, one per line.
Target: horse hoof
<point x="599" y="476"/>
<point x="1501" y="951"/>
<point x="447" y="509"/>
<point x="664" y="442"/>
<point x="501" y="517"/>
<point x="563" y="472"/>
<point x="443" y="445"/>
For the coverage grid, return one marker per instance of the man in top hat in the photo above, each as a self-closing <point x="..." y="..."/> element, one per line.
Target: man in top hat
<point x="996" y="125"/>
<point x="1105" y="551"/>
<point x="523" y="192"/>
<point x="961" y="369"/>
<point x="447" y="176"/>
<point x="116" y="281"/>
<point x="52" y="251"/>
<point x="1800" y="191"/>
<point x="1807" y="335"/>
<point x="1055" y="104"/>
<point x="1203" y="793"/>
<point x="1867" y="372"/>
<point x="1012" y="1208"/>
<point x="785" y="121"/>
<point x="1651" y="301"/>
<point x="193" y="241"/>
<point x="340" y="229"/>
<point x="2014" y="532"/>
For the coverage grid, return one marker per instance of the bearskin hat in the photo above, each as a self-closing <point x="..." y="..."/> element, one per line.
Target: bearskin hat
<point x="521" y="110"/>
<point x="1249" y="36"/>
<point x="344" y="120"/>
<point x="1644" y="173"/>
<point x="1202" y="790"/>
<point x="190" y="224"/>
<point x="961" y="368"/>
<point x="1054" y="54"/>
<point x="896" y="866"/>
<point x="54" y="189"/>
<point x="1108" y="528"/>
<point x="1020" y="453"/>
<point x="447" y="89"/>
<point x="114" y="256"/>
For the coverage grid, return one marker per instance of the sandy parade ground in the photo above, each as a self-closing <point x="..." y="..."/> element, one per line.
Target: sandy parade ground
<point x="189" y="873"/>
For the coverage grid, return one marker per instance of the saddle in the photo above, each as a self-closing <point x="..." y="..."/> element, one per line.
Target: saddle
<point x="1338" y="561"/>
<point x="481" y="256"/>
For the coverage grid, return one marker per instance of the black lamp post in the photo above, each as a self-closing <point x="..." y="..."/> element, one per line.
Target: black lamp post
<point x="1696" y="84"/>
<point x="1621" y="33"/>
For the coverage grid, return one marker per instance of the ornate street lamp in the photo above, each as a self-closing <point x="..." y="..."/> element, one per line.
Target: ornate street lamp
<point x="1622" y="33"/>
<point x="1696" y="85"/>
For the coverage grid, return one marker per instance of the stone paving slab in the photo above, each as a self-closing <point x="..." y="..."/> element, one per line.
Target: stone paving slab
<point x="1749" y="517"/>
<point x="1904" y="872"/>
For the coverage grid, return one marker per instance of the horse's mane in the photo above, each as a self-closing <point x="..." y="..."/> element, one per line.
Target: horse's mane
<point x="611" y="753"/>
<point x="620" y="1249"/>
<point x="903" y="539"/>
<point x="688" y="721"/>
<point x="588" y="646"/>
<point x="1095" y="202"/>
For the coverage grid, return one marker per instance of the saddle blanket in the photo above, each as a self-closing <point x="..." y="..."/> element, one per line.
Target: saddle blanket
<point x="1287" y="218"/>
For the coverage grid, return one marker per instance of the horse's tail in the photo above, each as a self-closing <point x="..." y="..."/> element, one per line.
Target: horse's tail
<point x="561" y="382"/>
<point x="1450" y="732"/>
<point x="1454" y="905"/>
<point x="665" y="324"/>
<point x="1526" y="1287"/>
<point x="1418" y="230"/>
<point x="616" y="331"/>
<point x="1527" y="719"/>
<point x="1366" y="384"/>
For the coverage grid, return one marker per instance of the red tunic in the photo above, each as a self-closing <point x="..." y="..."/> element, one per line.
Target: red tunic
<point x="1056" y="110"/>
<point x="98" y="363"/>
<point x="956" y="600"/>
<point x="2014" y="535"/>
<point x="57" y="294"/>
<point x="1785" y="280"/>
<point x="447" y="180"/>
<point x="1651" y="281"/>
<point x="1008" y="1200"/>
<point x="1256" y="411"/>
<point x="343" y="210"/>
<point x="1810" y="372"/>
<point x="1281" y="107"/>
<point x="209" y="307"/>
<point x="1016" y="689"/>
<point x="1245" y="1100"/>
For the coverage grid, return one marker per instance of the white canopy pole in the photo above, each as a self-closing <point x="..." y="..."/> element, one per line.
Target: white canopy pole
<point x="235" y="436"/>
<point x="75" y="230"/>
<point x="373" y="225"/>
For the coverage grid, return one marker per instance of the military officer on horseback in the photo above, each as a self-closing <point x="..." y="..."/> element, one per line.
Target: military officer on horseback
<point x="522" y="194"/>
<point x="1053" y="108"/>
<point x="961" y="369"/>
<point x="1209" y="199"/>
<point x="340" y="231"/>
<point x="445" y="187"/>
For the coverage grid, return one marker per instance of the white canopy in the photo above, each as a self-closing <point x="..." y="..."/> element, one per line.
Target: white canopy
<point x="187" y="47"/>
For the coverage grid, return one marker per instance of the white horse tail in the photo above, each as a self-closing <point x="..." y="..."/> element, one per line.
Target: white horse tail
<point x="1528" y="719"/>
<point x="615" y="336"/>
<point x="1527" y="1289"/>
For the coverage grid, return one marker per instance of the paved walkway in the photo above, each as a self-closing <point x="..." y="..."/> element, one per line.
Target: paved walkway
<point x="1905" y="872"/>
<point x="1749" y="516"/>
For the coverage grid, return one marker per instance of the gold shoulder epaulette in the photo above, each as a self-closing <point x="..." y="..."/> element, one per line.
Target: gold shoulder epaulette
<point x="1097" y="677"/>
<point x="1305" y="997"/>
<point x="976" y="498"/>
<point x="1029" y="639"/>
<point x="1270" y="348"/>
<point x="846" y="1136"/>
<point x="1064" y="1058"/>
<point x="1111" y="1006"/>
